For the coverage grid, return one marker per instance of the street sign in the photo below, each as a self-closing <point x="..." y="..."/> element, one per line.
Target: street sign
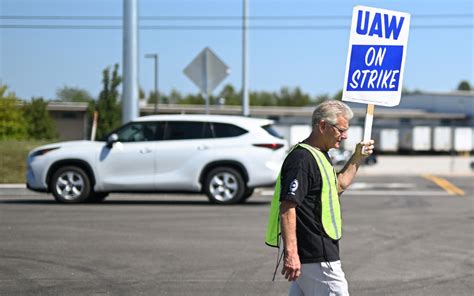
<point x="207" y="71"/>
<point x="376" y="56"/>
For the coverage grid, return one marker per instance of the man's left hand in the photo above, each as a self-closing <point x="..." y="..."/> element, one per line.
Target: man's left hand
<point x="364" y="149"/>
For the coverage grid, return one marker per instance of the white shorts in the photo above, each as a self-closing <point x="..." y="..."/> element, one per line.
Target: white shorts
<point x="317" y="279"/>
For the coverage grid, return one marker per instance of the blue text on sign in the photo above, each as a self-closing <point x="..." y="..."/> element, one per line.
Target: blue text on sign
<point x="375" y="68"/>
<point x="378" y="27"/>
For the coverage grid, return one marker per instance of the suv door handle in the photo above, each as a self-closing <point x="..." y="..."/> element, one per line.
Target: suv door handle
<point x="202" y="147"/>
<point x="145" y="150"/>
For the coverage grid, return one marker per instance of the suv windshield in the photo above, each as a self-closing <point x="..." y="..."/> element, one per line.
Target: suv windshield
<point x="269" y="129"/>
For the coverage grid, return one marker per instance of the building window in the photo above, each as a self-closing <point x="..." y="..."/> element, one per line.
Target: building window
<point x="68" y="115"/>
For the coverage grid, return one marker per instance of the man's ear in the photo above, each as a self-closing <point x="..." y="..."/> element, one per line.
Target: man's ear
<point x="322" y="126"/>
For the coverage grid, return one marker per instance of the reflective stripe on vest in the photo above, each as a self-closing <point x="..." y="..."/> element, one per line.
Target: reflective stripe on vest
<point x="330" y="207"/>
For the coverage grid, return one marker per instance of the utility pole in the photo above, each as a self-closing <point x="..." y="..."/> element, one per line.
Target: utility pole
<point x="157" y="94"/>
<point x="130" y="109"/>
<point x="245" y="77"/>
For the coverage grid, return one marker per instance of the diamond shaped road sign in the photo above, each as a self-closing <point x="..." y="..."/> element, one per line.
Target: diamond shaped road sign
<point x="206" y="71"/>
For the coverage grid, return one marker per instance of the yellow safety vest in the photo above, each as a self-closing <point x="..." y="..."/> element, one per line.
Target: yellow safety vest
<point x="331" y="210"/>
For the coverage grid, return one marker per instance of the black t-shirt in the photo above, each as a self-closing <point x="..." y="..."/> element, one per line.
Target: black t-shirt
<point x="301" y="182"/>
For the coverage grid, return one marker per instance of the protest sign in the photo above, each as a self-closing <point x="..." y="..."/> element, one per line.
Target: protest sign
<point x="376" y="58"/>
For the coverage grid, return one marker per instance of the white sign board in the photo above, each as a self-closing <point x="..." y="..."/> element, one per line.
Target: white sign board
<point x="206" y="71"/>
<point x="376" y="56"/>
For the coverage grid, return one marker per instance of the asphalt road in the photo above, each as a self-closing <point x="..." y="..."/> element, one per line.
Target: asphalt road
<point x="402" y="236"/>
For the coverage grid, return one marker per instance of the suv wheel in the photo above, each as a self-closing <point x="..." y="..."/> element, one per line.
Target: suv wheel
<point x="97" y="197"/>
<point x="70" y="184"/>
<point x="224" y="185"/>
<point x="248" y="193"/>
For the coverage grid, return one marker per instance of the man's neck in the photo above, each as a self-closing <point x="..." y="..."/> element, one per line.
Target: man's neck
<point x="316" y="141"/>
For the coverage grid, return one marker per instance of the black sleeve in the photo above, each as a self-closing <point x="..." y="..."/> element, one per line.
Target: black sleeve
<point x="295" y="176"/>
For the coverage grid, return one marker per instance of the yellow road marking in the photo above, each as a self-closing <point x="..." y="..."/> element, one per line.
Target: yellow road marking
<point x="445" y="184"/>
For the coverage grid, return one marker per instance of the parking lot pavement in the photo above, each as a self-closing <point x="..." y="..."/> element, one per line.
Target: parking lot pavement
<point x="416" y="240"/>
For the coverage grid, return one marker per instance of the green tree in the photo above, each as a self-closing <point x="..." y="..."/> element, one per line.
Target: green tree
<point x="405" y="91"/>
<point x="40" y="125"/>
<point x="464" y="85"/>
<point x="322" y="98"/>
<point x="142" y="96"/>
<point x="295" y="97"/>
<point x="141" y="93"/>
<point x="12" y="123"/>
<point x="230" y="95"/>
<point x="174" y="97"/>
<point x="73" y="94"/>
<point x="153" y="98"/>
<point x="194" y="99"/>
<point x="263" y="98"/>
<point x="108" y="106"/>
<point x="338" y="96"/>
<point x="285" y="97"/>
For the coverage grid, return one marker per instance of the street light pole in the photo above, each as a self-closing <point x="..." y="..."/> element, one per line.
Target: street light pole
<point x="245" y="61"/>
<point x="130" y="108"/>
<point x="157" y="95"/>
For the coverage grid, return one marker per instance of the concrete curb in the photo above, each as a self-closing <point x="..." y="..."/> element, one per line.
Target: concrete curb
<point x="12" y="186"/>
<point x="420" y="165"/>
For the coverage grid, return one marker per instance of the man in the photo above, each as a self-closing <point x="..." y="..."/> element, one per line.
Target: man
<point x="310" y="216"/>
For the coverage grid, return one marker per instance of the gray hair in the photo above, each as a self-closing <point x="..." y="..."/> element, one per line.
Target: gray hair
<point x="330" y="110"/>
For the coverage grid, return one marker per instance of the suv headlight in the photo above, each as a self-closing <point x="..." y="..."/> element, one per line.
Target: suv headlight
<point x="43" y="151"/>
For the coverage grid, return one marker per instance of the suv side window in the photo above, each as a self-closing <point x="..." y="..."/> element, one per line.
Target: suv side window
<point x="226" y="130"/>
<point x="271" y="130"/>
<point x="187" y="130"/>
<point x="141" y="132"/>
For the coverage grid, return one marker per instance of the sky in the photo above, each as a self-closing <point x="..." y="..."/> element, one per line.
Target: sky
<point x="36" y="62"/>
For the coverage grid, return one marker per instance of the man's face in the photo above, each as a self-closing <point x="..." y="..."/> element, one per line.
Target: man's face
<point x="335" y="133"/>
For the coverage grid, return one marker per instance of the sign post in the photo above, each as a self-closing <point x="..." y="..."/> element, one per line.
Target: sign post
<point x="376" y="59"/>
<point x="206" y="71"/>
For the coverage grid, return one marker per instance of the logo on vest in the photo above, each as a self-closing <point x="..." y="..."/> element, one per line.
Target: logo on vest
<point x="293" y="187"/>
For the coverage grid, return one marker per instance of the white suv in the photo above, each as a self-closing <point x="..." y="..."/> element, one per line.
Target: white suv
<point x="225" y="157"/>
